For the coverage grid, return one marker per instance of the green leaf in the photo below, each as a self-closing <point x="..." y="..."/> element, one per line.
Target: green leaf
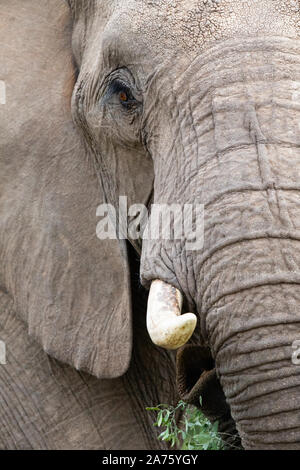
<point x="194" y="432"/>
<point x="164" y="436"/>
<point x="215" y="426"/>
<point x="159" y="419"/>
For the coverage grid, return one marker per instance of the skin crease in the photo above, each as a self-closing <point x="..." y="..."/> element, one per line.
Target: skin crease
<point x="208" y="82"/>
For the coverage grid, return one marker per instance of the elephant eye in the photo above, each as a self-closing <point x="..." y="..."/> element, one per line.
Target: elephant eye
<point x="123" y="97"/>
<point x="120" y="91"/>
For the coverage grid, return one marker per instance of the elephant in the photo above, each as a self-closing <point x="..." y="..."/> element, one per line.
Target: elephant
<point x="186" y="103"/>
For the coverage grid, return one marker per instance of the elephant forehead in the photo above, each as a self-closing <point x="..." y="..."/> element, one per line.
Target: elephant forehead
<point x="192" y="24"/>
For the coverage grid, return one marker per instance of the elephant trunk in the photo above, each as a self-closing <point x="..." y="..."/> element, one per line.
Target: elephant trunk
<point x="252" y="332"/>
<point x="233" y="146"/>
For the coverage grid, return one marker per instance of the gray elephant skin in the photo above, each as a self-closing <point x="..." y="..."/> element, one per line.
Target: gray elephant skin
<point x="171" y="102"/>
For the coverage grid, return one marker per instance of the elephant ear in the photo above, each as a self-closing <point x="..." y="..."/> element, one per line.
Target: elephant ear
<point x="72" y="289"/>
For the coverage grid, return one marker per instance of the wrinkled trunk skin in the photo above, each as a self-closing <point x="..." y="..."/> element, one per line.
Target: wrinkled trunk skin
<point x="252" y="333"/>
<point x="235" y="147"/>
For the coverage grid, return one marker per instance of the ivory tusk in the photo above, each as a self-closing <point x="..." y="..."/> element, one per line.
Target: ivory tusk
<point x="165" y="324"/>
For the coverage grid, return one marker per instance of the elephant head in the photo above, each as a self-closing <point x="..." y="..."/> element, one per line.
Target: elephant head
<point x="176" y="102"/>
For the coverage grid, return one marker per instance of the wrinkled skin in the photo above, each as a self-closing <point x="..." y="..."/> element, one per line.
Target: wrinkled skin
<point x="213" y="117"/>
<point x="63" y="291"/>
